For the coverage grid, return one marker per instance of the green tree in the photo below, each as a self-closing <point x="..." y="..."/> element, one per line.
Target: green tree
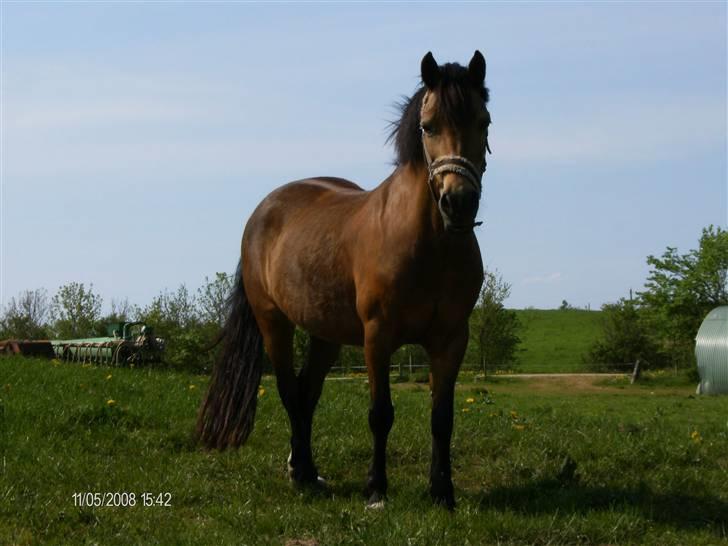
<point x="682" y="288"/>
<point x="26" y="316"/>
<point x="625" y="339"/>
<point x="175" y="317"/>
<point x="75" y="311"/>
<point x="212" y="298"/>
<point x="493" y="328"/>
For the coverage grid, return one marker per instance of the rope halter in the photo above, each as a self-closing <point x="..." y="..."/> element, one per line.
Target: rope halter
<point x="456" y="164"/>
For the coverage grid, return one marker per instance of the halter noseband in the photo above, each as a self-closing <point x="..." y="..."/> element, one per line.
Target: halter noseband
<point x="453" y="164"/>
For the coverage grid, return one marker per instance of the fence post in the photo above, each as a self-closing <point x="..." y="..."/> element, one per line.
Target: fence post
<point x="635" y="372"/>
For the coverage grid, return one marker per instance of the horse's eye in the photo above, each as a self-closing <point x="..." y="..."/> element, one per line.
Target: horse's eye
<point x="427" y="129"/>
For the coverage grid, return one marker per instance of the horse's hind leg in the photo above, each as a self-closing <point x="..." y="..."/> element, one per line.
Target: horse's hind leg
<point x="277" y="333"/>
<point x="381" y="412"/>
<point x="321" y="356"/>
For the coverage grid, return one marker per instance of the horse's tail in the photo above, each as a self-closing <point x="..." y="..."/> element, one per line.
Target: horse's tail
<point x="227" y="413"/>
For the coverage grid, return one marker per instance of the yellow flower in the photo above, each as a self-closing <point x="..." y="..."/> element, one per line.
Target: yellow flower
<point x="261" y="391"/>
<point x="519" y="427"/>
<point x="514" y="415"/>
<point x="110" y="402"/>
<point x="696" y="437"/>
<point x="465" y="410"/>
<point x="108" y="377"/>
<point x="192" y="387"/>
<point x="470" y="400"/>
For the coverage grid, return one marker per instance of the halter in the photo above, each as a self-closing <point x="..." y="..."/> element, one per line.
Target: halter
<point x="454" y="164"/>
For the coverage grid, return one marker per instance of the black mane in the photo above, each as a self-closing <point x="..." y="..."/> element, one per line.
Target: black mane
<point x="452" y="89"/>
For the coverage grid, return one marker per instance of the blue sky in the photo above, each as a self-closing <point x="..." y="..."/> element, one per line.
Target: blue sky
<point x="138" y="138"/>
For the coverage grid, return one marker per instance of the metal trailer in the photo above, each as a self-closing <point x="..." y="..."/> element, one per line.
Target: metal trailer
<point x="711" y="352"/>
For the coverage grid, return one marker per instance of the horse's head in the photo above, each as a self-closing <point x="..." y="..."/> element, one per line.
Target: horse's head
<point x="454" y="124"/>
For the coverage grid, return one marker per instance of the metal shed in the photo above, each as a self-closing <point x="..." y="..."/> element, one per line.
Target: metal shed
<point x="711" y="352"/>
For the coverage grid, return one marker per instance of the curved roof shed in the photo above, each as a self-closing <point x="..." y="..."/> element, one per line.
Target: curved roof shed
<point x="711" y="352"/>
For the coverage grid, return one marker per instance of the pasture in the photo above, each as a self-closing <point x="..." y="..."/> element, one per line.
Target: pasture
<point x="555" y="340"/>
<point x="547" y="461"/>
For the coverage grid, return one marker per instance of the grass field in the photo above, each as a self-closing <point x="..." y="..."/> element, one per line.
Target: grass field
<point x="553" y="340"/>
<point x="651" y="463"/>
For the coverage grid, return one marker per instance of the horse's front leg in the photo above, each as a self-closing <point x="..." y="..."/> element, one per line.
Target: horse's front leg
<point x="445" y="359"/>
<point x="377" y="353"/>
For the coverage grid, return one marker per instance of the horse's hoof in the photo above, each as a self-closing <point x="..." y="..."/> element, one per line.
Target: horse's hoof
<point x="376" y="502"/>
<point x="307" y="479"/>
<point x="446" y="501"/>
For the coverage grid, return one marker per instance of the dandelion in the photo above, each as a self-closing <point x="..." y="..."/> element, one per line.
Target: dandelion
<point x="110" y="402"/>
<point x="696" y="437"/>
<point x="514" y="415"/>
<point x="519" y="427"/>
<point x="108" y="377"/>
<point x="470" y="400"/>
<point x="261" y="392"/>
<point x="192" y="387"/>
<point x="466" y="410"/>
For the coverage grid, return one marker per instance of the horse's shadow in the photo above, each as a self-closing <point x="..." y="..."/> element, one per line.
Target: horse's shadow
<point x="678" y="509"/>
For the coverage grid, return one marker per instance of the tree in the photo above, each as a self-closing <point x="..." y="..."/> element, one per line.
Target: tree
<point x="493" y="327"/>
<point x="75" y="310"/>
<point x="682" y="288"/>
<point x="172" y="309"/>
<point x="212" y="298"/>
<point x="625" y="338"/>
<point x="26" y="316"/>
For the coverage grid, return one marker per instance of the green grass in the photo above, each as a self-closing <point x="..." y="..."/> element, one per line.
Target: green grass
<point x="652" y="464"/>
<point x="554" y="340"/>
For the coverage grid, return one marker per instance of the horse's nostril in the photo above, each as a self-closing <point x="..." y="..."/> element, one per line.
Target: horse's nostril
<point x="446" y="203"/>
<point x="460" y="203"/>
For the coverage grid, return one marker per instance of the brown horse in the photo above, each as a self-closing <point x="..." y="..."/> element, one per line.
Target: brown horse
<point x="399" y="264"/>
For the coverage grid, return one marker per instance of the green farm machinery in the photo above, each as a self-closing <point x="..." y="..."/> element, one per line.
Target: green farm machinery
<point x="127" y="343"/>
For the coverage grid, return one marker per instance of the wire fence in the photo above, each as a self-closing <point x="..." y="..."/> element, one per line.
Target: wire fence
<point x="412" y="368"/>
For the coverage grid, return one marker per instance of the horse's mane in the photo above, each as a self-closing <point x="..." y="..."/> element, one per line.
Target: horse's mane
<point x="452" y="89"/>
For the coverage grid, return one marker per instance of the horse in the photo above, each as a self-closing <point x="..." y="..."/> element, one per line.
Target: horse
<point x="396" y="265"/>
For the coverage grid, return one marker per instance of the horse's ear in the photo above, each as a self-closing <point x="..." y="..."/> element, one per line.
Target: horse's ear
<point x="476" y="68"/>
<point x="430" y="71"/>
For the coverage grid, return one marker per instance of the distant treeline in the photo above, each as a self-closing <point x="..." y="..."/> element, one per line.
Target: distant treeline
<point x="656" y="326"/>
<point x="190" y="322"/>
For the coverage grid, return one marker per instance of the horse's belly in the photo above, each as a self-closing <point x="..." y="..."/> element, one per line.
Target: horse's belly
<point x="323" y="304"/>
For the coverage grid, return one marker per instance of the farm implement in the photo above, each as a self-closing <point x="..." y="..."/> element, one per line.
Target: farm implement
<point x="127" y="343"/>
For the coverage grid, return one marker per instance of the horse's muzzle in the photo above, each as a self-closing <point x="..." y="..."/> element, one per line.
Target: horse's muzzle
<point x="458" y="209"/>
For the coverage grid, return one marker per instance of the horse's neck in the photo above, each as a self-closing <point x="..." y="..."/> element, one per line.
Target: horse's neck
<point x="410" y="207"/>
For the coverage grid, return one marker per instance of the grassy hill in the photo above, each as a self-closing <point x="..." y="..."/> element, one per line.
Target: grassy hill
<point x="555" y="340"/>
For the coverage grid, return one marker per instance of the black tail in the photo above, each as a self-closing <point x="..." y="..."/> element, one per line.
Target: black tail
<point x="227" y="414"/>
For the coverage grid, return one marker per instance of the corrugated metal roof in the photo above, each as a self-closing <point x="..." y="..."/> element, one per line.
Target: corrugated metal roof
<point x="711" y="352"/>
